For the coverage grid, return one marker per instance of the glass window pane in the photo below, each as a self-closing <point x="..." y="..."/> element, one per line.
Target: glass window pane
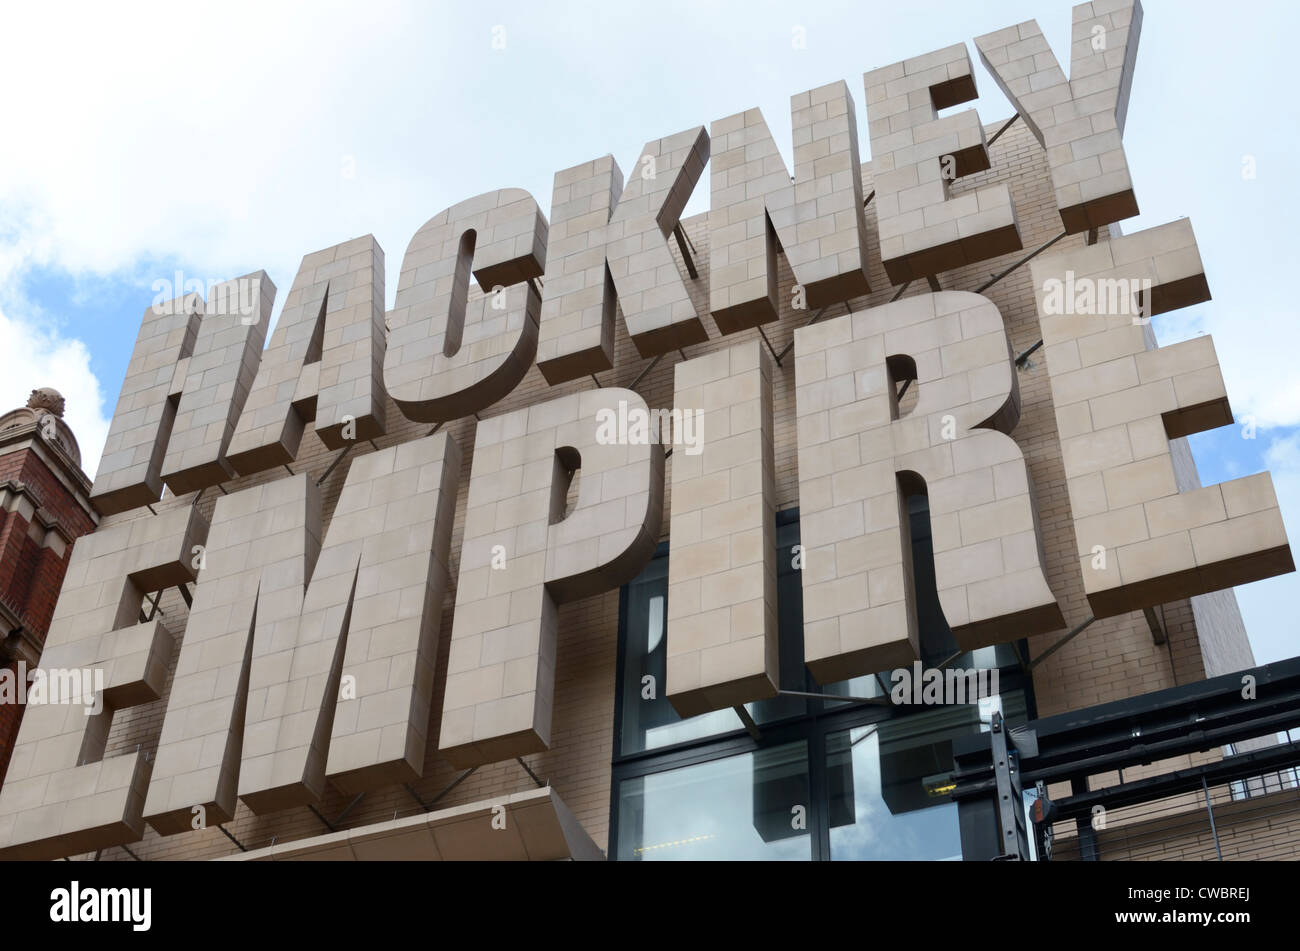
<point x="889" y="782"/>
<point x="752" y="806"/>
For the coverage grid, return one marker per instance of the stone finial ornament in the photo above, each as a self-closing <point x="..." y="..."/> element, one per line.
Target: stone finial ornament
<point x="47" y="398"/>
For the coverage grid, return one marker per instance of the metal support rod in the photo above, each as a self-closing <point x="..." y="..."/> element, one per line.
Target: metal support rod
<point x="316" y="812"/>
<point x="350" y="806"/>
<point x="1158" y="633"/>
<point x="1209" y="808"/>
<point x="435" y="429"/>
<point x="750" y="726"/>
<point x="223" y="831"/>
<point x="1020" y="360"/>
<point x="415" y="796"/>
<point x="867" y="200"/>
<point x="771" y="349"/>
<point x="901" y="291"/>
<point x="1023" y="261"/>
<point x="188" y="598"/>
<point x="339" y="458"/>
<point x="428" y="806"/>
<point x="130" y="853"/>
<point x="668" y="453"/>
<point x="933" y="281"/>
<point x="448" y="788"/>
<point x="689" y="243"/>
<point x="901" y="392"/>
<point x="950" y="660"/>
<point x="827" y="696"/>
<point x="1061" y="643"/>
<point x="288" y="470"/>
<point x="788" y="347"/>
<point x="520" y="761"/>
<point x="686" y="254"/>
<point x="646" y="369"/>
<point x="868" y="733"/>
<point x="998" y="134"/>
<point x="596" y="381"/>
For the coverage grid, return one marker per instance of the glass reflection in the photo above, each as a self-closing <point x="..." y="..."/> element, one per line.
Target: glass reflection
<point x="889" y="782"/>
<point x="754" y="806"/>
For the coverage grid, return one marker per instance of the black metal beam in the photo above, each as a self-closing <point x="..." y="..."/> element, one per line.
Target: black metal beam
<point x="1226" y="770"/>
<point x="1179" y="720"/>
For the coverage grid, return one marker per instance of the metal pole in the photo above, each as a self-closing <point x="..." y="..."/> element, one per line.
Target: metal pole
<point x="1209" y="808"/>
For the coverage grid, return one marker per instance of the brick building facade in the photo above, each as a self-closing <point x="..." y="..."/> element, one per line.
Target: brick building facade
<point x="1114" y="658"/>
<point x="765" y="729"/>
<point x="44" y="509"/>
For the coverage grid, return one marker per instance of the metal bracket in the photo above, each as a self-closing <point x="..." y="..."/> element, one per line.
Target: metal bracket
<point x="750" y="726"/>
<point x="682" y="243"/>
<point x="1079" y="629"/>
<point x="1011" y="814"/>
<point x="1158" y="632"/>
<point x="540" y="784"/>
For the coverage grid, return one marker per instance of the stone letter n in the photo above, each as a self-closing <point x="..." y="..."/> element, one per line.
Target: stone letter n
<point x="274" y="628"/>
<point x="816" y="215"/>
<point x="858" y="459"/>
<point x="1122" y="406"/>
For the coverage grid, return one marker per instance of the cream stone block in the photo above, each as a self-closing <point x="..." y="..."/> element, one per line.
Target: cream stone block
<point x="576" y="336"/>
<point x="218" y="377"/>
<point x="614" y="256"/>
<point x="915" y="155"/>
<point x="722" y="646"/>
<point x="535" y="554"/>
<point x="1079" y="122"/>
<point x="306" y="660"/>
<point x="61" y="794"/>
<point x="816" y="214"/>
<point x="953" y="445"/>
<point x="324" y="362"/>
<point x="130" y="470"/>
<point x="1144" y="539"/>
<point x="455" y="349"/>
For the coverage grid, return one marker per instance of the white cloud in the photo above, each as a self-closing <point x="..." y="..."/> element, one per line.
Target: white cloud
<point x="34" y="357"/>
<point x="1268" y="607"/>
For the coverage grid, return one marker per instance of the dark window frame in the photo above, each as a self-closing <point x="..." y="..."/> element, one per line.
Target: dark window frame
<point x="820" y="718"/>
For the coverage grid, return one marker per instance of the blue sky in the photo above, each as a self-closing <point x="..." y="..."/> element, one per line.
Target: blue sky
<point x="217" y="139"/>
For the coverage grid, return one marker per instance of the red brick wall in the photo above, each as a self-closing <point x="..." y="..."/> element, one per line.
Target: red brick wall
<point x="32" y="574"/>
<point x="11" y="714"/>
